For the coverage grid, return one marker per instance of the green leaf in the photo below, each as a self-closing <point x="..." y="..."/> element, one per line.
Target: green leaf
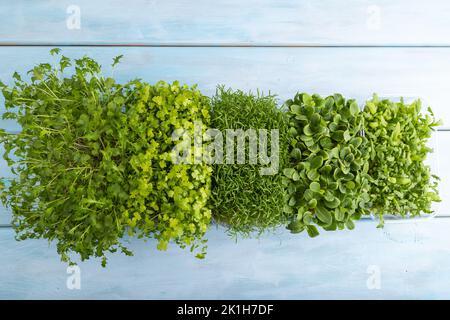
<point x="326" y="143"/>
<point x="295" y="226"/>
<point x="300" y="213"/>
<point x="315" y="119"/>
<point x="314" y="186"/>
<point x="295" y="109"/>
<point x="307" y="218"/>
<point x="307" y="99"/>
<point x="293" y="131"/>
<point x="347" y="136"/>
<point x="333" y="204"/>
<point x="387" y="158"/>
<point x="55" y="51"/>
<point x="323" y="215"/>
<point x="312" y="231"/>
<point x="350" y="225"/>
<point x="116" y="60"/>
<point x="292" y="202"/>
<point x="338" y="135"/>
<point x="296" y="153"/>
<point x="403" y="181"/>
<point x="356" y="141"/>
<point x="350" y="185"/>
<point x="354" y="108"/>
<point x="340" y="215"/>
<point x="307" y="130"/>
<point x="312" y="175"/>
<point x="312" y="203"/>
<point x="316" y="162"/>
<point x="289" y="172"/>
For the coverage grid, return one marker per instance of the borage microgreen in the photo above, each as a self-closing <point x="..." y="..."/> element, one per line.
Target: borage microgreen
<point x="326" y="179"/>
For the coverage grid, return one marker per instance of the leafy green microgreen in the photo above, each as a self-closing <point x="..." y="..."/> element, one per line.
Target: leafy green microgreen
<point x="116" y="60"/>
<point x="328" y="153"/>
<point x="167" y="201"/>
<point x="398" y="133"/>
<point x="242" y="198"/>
<point x="93" y="163"/>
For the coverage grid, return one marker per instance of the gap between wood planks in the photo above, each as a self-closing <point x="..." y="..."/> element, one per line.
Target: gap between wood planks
<point x="219" y="45"/>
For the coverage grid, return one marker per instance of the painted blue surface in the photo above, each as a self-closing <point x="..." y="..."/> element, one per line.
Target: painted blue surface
<point x="413" y="259"/>
<point x="413" y="263"/>
<point x="251" y="21"/>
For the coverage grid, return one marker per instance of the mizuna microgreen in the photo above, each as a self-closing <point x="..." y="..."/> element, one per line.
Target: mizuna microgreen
<point x="400" y="181"/>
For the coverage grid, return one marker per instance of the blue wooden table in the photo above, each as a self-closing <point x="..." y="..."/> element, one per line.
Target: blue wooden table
<point x="355" y="47"/>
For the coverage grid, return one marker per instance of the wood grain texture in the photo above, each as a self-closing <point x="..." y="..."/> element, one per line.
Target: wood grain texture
<point x="354" y="72"/>
<point x="288" y="22"/>
<point x="413" y="261"/>
<point x="413" y="258"/>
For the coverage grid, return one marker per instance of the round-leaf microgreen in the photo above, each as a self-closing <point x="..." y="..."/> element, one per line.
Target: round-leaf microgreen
<point x="326" y="176"/>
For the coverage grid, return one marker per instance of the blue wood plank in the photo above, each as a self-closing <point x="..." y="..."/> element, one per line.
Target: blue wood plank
<point x="380" y="22"/>
<point x="5" y="171"/>
<point x="5" y="216"/>
<point x="412" y="260"/>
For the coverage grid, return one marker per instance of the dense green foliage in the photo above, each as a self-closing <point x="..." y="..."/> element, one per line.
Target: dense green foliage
<point x="92" y="160"/>
<point x="167" y="200"/>
<point x="400" y="182"/>
<point x="242" y="198"/>
<point x="97" y="161"/>
<point x="326" y="178"/>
